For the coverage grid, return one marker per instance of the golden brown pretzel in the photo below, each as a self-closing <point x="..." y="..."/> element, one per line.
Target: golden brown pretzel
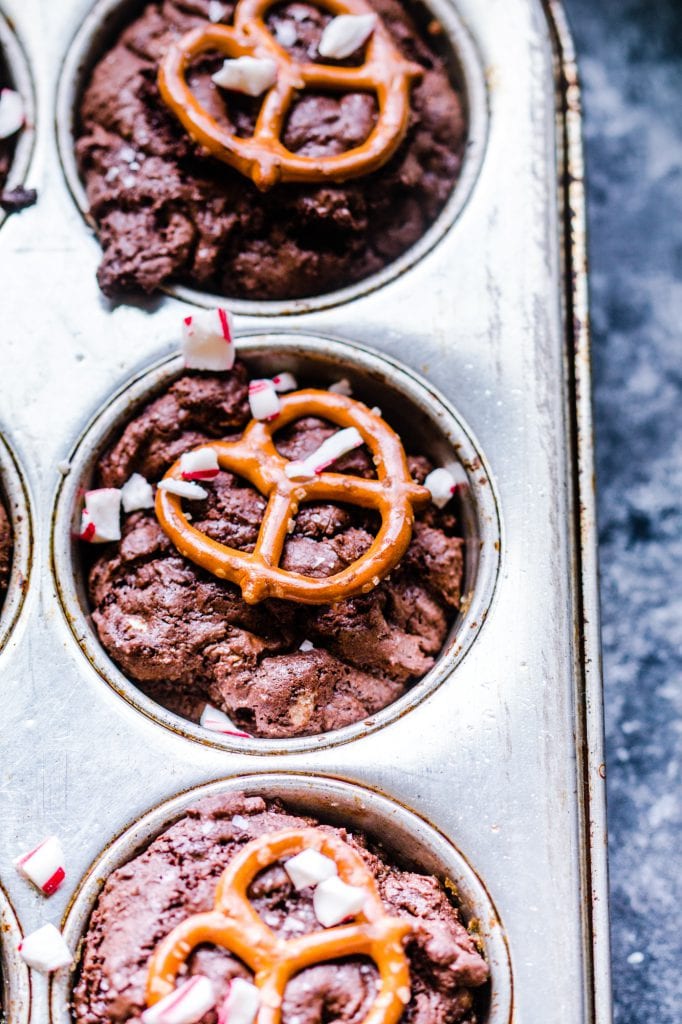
<point x="235" y="926"/>
<point x="393" y="494"/>
<point x="263" y="157"/>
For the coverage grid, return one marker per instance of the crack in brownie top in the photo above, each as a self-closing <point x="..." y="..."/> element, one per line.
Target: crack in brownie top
<point x="167" y="211"/>
<point x="275" y="668"/>
<point x="176" y="877"/>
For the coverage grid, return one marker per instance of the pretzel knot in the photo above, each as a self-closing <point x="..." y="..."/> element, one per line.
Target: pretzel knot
<point x="393" y="494"/>
<point x="234" y="925"/>
<point x="263" y="157"/>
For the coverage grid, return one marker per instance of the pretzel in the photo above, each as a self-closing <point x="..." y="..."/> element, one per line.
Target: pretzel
<point x="393" y="494"/>
<point x="263" y="157"/>
<point x="234" y="925"/>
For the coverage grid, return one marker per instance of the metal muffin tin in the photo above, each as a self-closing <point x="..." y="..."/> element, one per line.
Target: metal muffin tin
<point x="14" y="496"/>
<point x="504" y="757"/>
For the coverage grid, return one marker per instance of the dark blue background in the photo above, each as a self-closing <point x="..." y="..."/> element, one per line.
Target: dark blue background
<point x="631" y="67"/>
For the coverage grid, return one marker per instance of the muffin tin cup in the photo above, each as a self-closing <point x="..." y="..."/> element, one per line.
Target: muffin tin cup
<point x="15" y="62"/>
<point x="108" y="17"/>
<point x="15" y="984"/>
<point x="407" y="838"/>
<point x="15" y="498"/>
<point x="435" y="430"/>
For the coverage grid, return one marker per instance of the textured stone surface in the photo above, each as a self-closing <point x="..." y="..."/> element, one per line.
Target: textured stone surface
<point x="631" y="64"/>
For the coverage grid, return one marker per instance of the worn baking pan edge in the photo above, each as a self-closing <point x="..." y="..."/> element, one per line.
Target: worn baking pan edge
<point x="589" y="687"/>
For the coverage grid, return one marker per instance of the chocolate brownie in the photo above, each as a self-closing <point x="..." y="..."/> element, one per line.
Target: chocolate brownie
<point x="5" y="551"/>
<point x="187" y="637"/>
<point x="176" y="876"/>
<point x="168" y="212"/>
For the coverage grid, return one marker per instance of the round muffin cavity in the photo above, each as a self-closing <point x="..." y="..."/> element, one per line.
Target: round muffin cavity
<point x="176" y="876"/>
<point x="6" y="547"/>
<point x="166" y="212"/>
<point x="187" y="638"/>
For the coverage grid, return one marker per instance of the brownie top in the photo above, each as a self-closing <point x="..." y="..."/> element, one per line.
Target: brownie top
<point x="6" y="547"/>
<point x="167" y="211"/>
<point x="187" y="637"/>
<point x="176" y="876"/>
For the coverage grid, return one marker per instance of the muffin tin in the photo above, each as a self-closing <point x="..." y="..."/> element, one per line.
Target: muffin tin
<point x="14" y="496"/>
<point x="502" y="761"/>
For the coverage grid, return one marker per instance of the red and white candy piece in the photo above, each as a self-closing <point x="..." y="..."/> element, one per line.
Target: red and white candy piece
<point x="345" y="34"/>
<point x="264" y="400"/>
<point x="334" y="901"/>
<point x="44" y="866"/>
<point x="137" y="493"/>
<point x="250" y="75"/>
<point x="183" y="488"/>
<point x="341" y="387"/>
<point x="208" y="340"/>
<point x="101" y="517"/>
<point x="241" y="1004"/>
<point x="443" y="483"/>
<point x="45" y="950"/>
<point x="217" y="721"/>
<point x="340" y="443"/>
<point x="284" y="381"/>
<point x="187" y="1004"/>
<point x="201" y="464"/>
<point x="309" y="867"/>
<point x="12" y="114"/>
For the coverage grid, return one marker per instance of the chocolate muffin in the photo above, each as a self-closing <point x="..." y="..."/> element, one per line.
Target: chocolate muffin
<point x="277" y="668"/>
<point x="169" y="212"/>
<point x="176" y="877"/>
<point x="6" y="547"/>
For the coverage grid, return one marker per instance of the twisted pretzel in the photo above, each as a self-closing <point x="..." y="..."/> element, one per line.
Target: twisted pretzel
<point x="234" y="925"/>
<point x="393" y="494"/>
<point x="263" y="157"/>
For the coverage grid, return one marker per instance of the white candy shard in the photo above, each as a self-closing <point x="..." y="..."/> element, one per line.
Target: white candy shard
<point x="286" y="34"/>
<point x="307" y="645"/>
<point x="341" y="387"/>
<point x="44" y="866"/>
<point x="101" y="518"/>
<point x="334" y="901"/>
<point x="201" y="464"/>
<point x="443" y="483"/>
<point x="263" y="400"/>
<point x="208" y="340"/>
<point x="183" y="488"/>
<point x="346" y="34"/>
<point x="217" y="721"/>
<point x="241" y="1004"/>
<point x="250" y="75"/>
<point x="284" y="382"/>
<point x="309" y="868"/>
<point x="339" y="444"/>
<point x="12" y="114"/>
<point x="216" y="11"/>
<point x="187" y="1004"/>
<point x="45" y="950"/>
<point x="137" y="493"/>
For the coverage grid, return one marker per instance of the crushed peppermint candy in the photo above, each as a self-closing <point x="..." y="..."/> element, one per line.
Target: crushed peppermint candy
<point x="307" y="645"/>
<point x="216" y="11"/>
<point x="309" y="867"/>
<point x="187" y="1004"/>
<point x="183" y="488"/>
<point x="208" y="340"/>
<point x="12" y="113"/>
<point x="43" y="866"/>
<point x="101" y="517"/>
<point x="341" y="387"/>
<point x="201" y="464"/>
<point x="217" y="721"/>
<point x="250" y="75"/>
<point x="241" y="1004"/>
<point x="339" y="444"/>
<point x="263" y="399"/>
<point x="45" y="950"/>
<point x="345" y="34"/>
<point x="334" y="901"/>
<point x="284" y="382"/>
<point x="286" y="34"/>
<point x="443" y="483"/>
<point x="137" y="493"/>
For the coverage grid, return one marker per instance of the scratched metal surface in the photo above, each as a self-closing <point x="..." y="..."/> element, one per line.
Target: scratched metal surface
<point x="504" y="757"/>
